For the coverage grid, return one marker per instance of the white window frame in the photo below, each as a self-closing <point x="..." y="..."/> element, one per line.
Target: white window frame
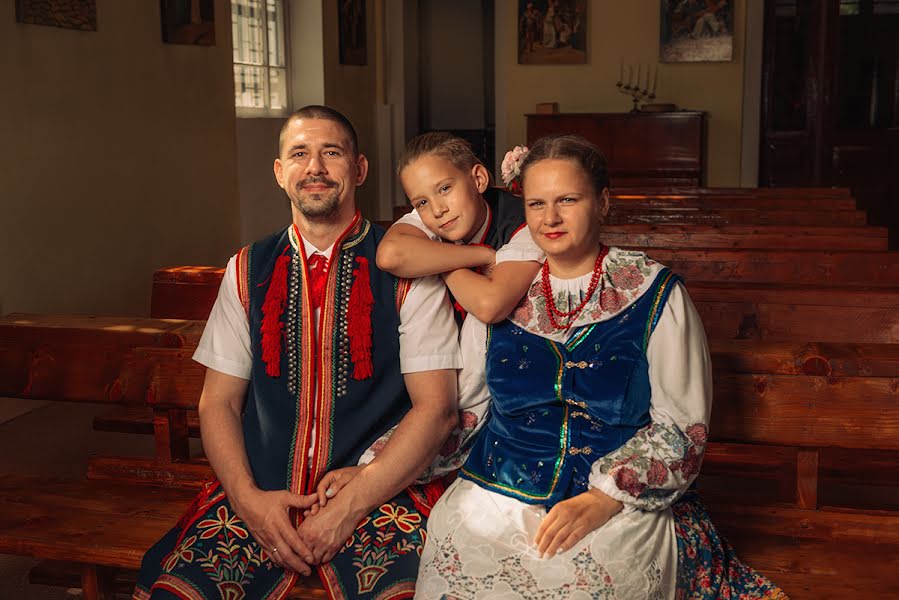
<point x="245" y="112"/>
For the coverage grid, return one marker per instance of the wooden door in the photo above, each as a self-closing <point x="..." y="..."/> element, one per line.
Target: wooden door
<point x="830" y="100"/>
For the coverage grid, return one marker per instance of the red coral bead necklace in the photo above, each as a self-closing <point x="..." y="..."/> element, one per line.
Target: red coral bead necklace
<point x="571" y="314"/>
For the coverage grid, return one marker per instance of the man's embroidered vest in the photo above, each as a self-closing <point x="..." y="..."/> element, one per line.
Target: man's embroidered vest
<point x="559" y="407"/>
<point x="348" y="413"/>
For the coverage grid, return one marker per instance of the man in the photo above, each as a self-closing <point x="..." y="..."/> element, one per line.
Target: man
<point x="304" y="348"/>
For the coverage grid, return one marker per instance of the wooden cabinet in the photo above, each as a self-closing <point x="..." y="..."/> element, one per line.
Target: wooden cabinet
<point x="643" y="149"/>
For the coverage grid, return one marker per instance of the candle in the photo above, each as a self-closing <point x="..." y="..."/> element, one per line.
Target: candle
<point x="630" y="75"/>
<point x="637" y="85"/>
<point x="655" y="81"/>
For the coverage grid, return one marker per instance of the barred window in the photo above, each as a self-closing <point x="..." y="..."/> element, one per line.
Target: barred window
<point x="260" y="56"/>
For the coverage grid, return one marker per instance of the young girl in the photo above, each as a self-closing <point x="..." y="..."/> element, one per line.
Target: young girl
<point x="458" y="221"/>
<point x="449" y="190"/>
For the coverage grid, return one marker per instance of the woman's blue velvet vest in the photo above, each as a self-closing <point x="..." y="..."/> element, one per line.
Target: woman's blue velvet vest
<point x="556" y="408"/>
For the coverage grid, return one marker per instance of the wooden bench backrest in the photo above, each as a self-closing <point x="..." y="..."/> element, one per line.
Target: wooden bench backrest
<point x="79" y="358"/>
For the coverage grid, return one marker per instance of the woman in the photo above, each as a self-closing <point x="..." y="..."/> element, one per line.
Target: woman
<point x="601" y="392"/>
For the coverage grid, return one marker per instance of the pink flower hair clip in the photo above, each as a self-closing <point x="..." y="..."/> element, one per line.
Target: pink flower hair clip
<point x="511" y="168"/>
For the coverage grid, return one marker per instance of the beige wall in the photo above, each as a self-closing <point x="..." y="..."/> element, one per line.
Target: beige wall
<point x="629" y="30"/>
<point x="264" y="207"/>
<point x="118" y="157"/>
<point x="351" y="90"/>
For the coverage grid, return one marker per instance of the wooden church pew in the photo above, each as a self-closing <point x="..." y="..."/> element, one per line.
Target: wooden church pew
<point x="728" y="309"/>
<point x="755" y="375"/>
<point x="789" y="267"/>
<point x="189" y="292"/>
<point x="768" y="237"/>
<point x="781" y="312"/>
<point x="786" y="402"/>
<point x="621" y="214"/>
<point x="80" y="358"/>
<point x="819" y="197"/>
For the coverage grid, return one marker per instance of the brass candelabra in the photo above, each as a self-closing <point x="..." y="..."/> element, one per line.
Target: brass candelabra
<point x="631" y="86"/>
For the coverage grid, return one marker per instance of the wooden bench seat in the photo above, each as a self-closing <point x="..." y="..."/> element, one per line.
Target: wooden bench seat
<point x="68" y="575"/>
<point x="797" y="312"/>
<point x="138" y="419"/>
<point x="623" y="214"/>
<point x="780" y="408"/>
<point x="787" y="267"/>
<point x="105" y="526"/>
<point x="724" y="202"/>
<point x="819" y="569"/>
<point x="763" y="198"/>
<point x="770" y="237"/>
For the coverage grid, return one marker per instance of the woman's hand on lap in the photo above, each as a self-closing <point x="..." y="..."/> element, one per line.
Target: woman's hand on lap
<point x="570" y="520"/>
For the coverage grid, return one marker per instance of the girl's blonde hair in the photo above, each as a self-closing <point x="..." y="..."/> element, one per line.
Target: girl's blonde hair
<point x="443" y="144"/>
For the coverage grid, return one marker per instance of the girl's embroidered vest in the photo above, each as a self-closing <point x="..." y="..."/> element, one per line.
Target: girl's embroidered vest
<point x="559" y="407"/>
<point x="349" y="414"/>
<point x="506" y="217"/>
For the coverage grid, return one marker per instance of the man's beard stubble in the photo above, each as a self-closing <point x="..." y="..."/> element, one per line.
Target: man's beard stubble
<point x="317" y="206"/>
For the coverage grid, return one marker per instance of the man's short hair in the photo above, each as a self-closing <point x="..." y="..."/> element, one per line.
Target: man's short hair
<point x="316" y="111"/>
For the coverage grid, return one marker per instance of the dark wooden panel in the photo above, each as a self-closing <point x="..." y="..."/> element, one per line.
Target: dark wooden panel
<point x="847" y="412"/>
<point x="800" y="358"/>
<point x="849" y="526"/>
<point x="176" y="288"/>
<point x="748" y="473"/>
<point x="809" y="569"/>
<point x="793" y="266"/>
<point x="773" y="321"/>
<point x="642" y="148"/>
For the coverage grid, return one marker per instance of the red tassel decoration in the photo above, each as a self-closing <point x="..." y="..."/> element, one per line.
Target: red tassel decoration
<point x="272" y="309"/>
<point x="359" y="321"/>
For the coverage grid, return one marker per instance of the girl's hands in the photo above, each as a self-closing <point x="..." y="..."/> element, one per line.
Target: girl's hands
<point x="570" y="520"/>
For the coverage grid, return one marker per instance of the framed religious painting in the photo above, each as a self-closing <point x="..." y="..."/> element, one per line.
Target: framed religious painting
<point x="351" y="32"/>
<point x="552" y="32"/>
<point x="190" y="21"/>
<point x="696" y="31"/>
<point x="68" y="14"/>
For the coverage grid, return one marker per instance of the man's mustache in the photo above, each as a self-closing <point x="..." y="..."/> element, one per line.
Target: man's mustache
<point x="318" y="181"/>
